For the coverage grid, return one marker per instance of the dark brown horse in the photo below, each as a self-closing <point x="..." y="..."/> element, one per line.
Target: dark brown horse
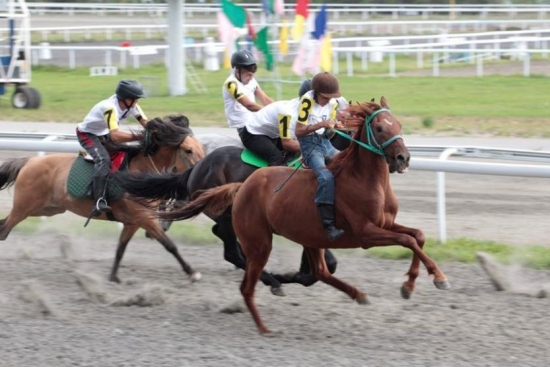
<point x="365" y="207"/>
<point x="41" y="186"/>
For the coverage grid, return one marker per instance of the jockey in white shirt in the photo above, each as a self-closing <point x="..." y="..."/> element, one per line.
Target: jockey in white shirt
<point x="100" y="125"/>
<point x="240" y="90"/>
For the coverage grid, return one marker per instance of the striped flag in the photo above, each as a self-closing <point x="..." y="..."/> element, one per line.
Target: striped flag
<point x="301" y="12"/>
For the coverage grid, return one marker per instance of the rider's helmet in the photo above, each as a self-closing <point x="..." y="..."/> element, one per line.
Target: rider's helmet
<point x="304" y="88"/>
<point x="326" y="85"/>
<point x="128" y="88"/>
<point x="243" y="59"/>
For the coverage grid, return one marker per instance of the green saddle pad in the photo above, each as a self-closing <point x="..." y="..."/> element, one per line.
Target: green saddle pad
<point x="79" y="183"/>
<point x="249" y="157"/>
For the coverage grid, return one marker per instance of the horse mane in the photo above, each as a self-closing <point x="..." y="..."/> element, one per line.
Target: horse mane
<point x="169" y="132"/>
<point x="358" y="113"/>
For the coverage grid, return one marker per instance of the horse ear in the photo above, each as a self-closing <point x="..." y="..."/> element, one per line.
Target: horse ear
<point x="384" y="103"/>
<point x="373" y="100"/>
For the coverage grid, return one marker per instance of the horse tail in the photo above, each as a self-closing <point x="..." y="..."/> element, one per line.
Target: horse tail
<point x="213" y="202"/>
<point x="164" y="186"/>
<point x="9" y="171"/>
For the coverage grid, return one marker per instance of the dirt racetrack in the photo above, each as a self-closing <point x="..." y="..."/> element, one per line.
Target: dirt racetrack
<point x="57" y="309"/>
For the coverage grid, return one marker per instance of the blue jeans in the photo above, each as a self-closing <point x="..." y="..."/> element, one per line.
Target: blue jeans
<point x="315" y="150"/>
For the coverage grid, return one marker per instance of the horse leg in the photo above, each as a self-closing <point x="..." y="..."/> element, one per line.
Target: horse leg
<point x="375" y="236"/>
<point x="304" y="276"/>
<point x="155" y="230"/>
<point x="223" y="229"/>
<point x="408" y="286"/>
<point x="320" y="271"/>
<point x="126" y="235"/>
<point x="16" y="216"/>
<point x="257" y="253"/>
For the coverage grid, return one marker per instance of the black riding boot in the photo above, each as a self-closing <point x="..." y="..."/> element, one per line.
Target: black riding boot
<point x="326" y="211"/>
<point x="99" y="190"/>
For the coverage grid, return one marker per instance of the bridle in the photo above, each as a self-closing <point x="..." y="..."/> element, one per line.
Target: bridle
<point x="372" y="144"/>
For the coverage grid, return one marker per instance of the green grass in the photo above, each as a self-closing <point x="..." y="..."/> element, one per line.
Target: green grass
<point x="499" y="105"/>
<point x="464" y="250"/>
<point x="198" y="232"/>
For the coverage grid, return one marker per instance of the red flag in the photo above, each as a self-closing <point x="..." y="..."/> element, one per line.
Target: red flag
<point x="302" y="8"/>
<point x="250" y="28"/>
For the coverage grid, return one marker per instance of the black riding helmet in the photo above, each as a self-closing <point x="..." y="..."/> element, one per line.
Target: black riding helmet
<point x="128" y="88"/>
<point x="304" y="88"/>
<point x="243" y="59"/>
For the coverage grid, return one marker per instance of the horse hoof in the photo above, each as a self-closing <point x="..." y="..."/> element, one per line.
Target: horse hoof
<point x="363" y="299"/>
<point x="270" y="333"/>
<point x="278" y="291"/>
<point x="443" y="285"/>
<point x="195" y="277"/>
<point x="405" y="292"/>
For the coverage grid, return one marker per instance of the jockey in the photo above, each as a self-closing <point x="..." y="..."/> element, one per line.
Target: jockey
<point x="270" y="131"/>
<point x="241" y="89"/>
<point x="102" y="125"/>
<point x="317" y="112"/>
<point x="336" y="140"/>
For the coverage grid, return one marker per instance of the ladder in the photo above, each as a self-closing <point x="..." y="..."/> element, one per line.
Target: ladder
<point x="194" y="79"/>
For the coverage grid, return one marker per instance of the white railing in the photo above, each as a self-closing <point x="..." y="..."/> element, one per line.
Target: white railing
<point x="518" y="45"/>
<point x="40" y="142"/>
<point x="371" y="27"/>
<point x="336" y="11"/>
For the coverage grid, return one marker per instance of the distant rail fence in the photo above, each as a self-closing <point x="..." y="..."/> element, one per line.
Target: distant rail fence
<point x="336" y="11"/>
<point x="516" y="45"/>
<point x="438" y="161"/>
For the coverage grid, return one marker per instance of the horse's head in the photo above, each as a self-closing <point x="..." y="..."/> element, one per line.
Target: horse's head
<point x="165" y="133"/>
<point x="379" y="132"/>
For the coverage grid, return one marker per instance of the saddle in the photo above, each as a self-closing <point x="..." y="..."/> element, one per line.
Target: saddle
<point x="251" y="158"/>
<point x="79" y="182"/>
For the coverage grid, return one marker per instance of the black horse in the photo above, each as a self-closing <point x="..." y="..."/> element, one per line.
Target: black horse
<point x="222" y="166"/>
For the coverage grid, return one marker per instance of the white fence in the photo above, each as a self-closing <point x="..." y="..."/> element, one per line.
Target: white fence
<point x="337" y="27"/>
<point x="476" y="48"/>
<point x="336" y="11"/>
<point x="41" y="143"/>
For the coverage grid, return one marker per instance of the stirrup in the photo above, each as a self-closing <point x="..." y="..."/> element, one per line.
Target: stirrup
<point x="101" y="206"/>
<point x="333" y="233"/>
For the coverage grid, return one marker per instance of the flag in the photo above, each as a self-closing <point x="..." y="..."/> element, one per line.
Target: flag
<point x="236" y="14"/>
<point x="227" y="34"/>
<point x="274" y="6"/>
<point x="234" y="21"/>
<point x="249" y="27"/>
<point x="326" y="53"/>
<point x="320" y="23"/>
<point x="301" y="12"/>
<point x="283" y="38"/>
<point x="268" y="6"/>
<point x="279" y="7"/>
<point x="298" y="65"/>
<point x="261" y="43"/>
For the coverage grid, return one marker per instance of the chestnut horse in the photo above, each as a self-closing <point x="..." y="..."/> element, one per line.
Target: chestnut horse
<point x="41" y="186"/>
<point x="365" y="206"/>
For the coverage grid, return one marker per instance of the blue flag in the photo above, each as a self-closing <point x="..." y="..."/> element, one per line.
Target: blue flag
<point x="320" y="23"/>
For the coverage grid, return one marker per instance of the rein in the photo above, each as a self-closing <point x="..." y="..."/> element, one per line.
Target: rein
<point x="372" y="144"/>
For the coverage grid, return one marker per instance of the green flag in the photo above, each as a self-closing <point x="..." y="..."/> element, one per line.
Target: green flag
<point x="235" y="13"/>
<point x="261" y="44"/>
